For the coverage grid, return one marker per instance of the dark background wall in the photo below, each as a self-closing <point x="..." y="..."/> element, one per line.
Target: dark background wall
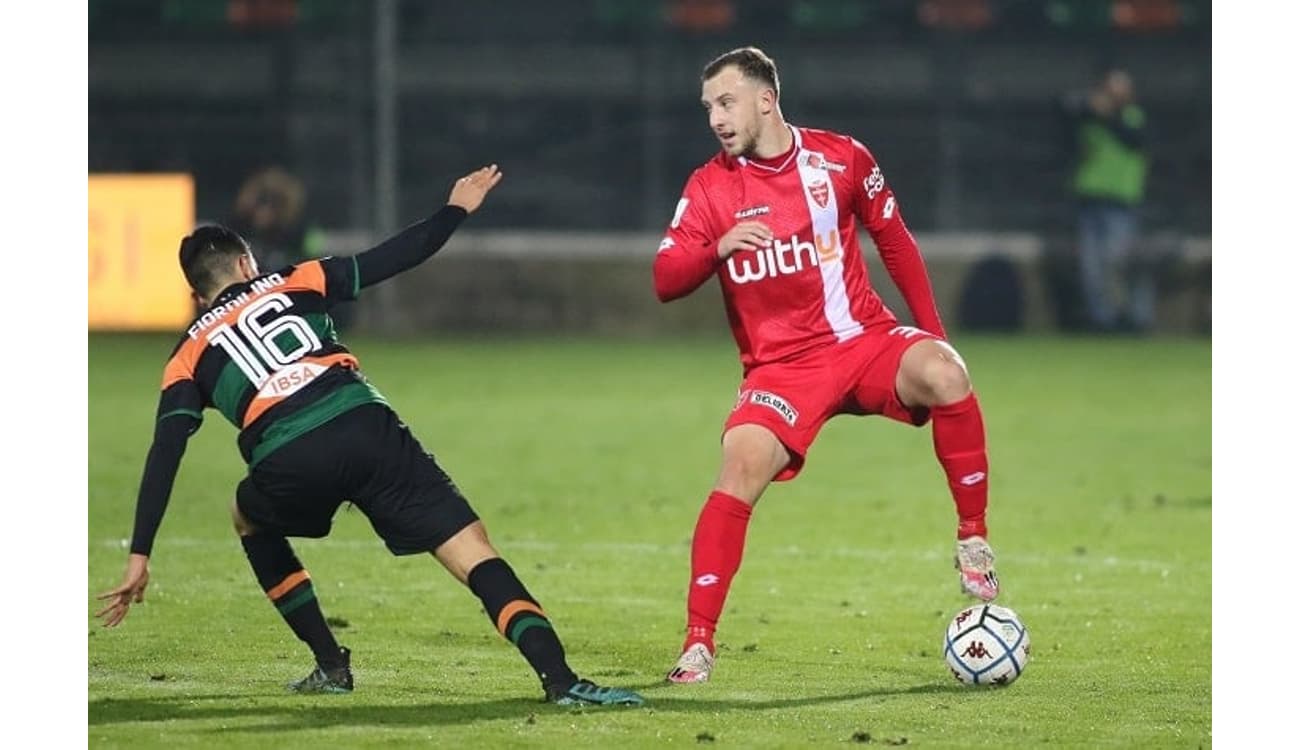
<point x="592" y="106"/>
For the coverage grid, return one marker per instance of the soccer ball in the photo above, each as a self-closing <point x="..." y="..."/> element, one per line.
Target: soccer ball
<point x="986" y="644"/>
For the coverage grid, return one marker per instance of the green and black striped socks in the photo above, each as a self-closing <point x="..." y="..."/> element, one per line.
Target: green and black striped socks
<point x="519" y="618"/>
<point x="289" y="588"/>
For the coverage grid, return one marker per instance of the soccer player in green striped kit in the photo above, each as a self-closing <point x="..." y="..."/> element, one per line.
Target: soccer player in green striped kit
<point x="315" y="434"/>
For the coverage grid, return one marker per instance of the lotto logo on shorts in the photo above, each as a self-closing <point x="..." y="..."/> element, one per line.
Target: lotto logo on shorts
<point x="906" y="332"/>
<point x="776" y="404"/>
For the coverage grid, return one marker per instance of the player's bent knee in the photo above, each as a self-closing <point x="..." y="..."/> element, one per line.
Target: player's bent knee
<point x="465" y="550"/>
<point x="243" y="526"/>
<point x="751" y="456"/>
<point x="947" y="381"/>
<point x="932" y="373"/>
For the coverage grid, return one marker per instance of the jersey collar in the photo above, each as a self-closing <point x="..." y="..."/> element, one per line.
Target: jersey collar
<point x="791" y="159"/>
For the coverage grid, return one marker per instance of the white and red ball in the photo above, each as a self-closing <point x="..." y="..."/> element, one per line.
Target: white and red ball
<point x="986" y="644"/>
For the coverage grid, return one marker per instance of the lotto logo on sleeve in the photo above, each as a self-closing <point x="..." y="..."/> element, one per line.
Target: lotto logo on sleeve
<point x="776" y="404"/>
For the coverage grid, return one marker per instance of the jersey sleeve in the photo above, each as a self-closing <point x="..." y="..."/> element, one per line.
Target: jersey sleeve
<point x="179" y="415"/>
<point x="342" y="282"/>
<point x="876" y="207"/>
<point x="336" y="279"/>
<point x="688" y="253"/>
<point x="409" y="247"/>
<point x="873" y="200"/>
<point x="181" y="394"/>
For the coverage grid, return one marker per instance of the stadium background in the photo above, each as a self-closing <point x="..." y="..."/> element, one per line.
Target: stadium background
<point x="591" y="109"/>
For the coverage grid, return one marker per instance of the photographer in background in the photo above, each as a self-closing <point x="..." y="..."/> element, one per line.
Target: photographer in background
<point x="1109" y="183"/>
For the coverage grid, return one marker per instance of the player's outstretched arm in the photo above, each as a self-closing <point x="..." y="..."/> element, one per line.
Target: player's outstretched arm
<point x="170" y="439"/>
<point x="418" y="242"/>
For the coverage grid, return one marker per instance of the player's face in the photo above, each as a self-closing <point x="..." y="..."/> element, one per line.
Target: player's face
<point x="734" y="105"/>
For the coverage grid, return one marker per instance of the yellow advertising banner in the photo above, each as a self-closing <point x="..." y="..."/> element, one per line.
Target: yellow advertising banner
<point x="135" y="229"/>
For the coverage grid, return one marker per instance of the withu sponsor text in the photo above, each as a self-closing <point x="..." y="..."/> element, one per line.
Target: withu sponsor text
<point x="783" y="258"/>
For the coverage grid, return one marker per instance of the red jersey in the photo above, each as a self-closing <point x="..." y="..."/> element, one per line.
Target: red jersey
<point x="810" y="288"/>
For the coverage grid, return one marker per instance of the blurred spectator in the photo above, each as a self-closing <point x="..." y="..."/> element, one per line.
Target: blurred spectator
<point x="270" y="212"/>
<point x="1109" y="185"/>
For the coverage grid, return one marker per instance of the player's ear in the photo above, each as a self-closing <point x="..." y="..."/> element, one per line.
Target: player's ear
<point x="248" y="266"/>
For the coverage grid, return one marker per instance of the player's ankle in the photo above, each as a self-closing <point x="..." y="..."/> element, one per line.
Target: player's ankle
<point x="559" y="686"/>
<point x="968" y="529"/>
<point x="699" y="634"/>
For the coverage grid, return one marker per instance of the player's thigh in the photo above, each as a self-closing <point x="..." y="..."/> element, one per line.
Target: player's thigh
<point x="752" y="455"/>
<point x="413" y="505"/>
<point x="877" y="386"/>
<point x="282" y="508"/>
<point x="791" y="402"/>
<point x="297" y="488"/>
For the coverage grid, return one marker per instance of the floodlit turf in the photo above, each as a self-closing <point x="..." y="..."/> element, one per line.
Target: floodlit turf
<point x="589" y="460"/>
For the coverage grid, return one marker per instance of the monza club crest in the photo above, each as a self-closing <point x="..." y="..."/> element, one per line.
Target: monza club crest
<point x="820" y="192"/>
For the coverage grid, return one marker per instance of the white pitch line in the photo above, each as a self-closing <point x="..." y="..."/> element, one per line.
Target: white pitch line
<point x="861" y="553"/>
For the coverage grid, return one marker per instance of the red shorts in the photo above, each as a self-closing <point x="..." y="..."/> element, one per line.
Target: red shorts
<point x="794" y="399"/>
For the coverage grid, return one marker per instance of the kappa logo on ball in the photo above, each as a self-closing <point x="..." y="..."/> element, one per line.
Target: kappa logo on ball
<point x="776" y="404"/>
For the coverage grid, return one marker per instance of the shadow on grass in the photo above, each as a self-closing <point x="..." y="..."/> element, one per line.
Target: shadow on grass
<point x="291" y="713"/>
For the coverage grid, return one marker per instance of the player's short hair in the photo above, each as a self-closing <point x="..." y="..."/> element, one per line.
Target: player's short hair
<point x="209" y="252"/>
<point x="752" y="63"/>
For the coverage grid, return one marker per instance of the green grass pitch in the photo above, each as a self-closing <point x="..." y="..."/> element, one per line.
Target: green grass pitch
<point x="588" y="460"/>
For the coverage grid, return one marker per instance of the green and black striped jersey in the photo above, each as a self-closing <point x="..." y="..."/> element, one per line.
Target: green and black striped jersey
<point x="266" y="356"/>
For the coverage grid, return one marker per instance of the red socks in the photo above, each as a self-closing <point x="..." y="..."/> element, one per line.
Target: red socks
<point x="959" y="444"/>
<point x="716" y="549"/>
<point x="719" y="540"/>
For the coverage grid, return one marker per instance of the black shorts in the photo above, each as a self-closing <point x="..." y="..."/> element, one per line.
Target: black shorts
<point x="366" y="456"/>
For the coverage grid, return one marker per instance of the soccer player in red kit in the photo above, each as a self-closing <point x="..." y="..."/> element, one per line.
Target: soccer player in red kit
<point x="773" y="217"/>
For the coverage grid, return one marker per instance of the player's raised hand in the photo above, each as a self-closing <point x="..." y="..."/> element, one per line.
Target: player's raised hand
<point x="747" y="235"/>
<point x="130" y="590"/>
<point x="469" y="191"/>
